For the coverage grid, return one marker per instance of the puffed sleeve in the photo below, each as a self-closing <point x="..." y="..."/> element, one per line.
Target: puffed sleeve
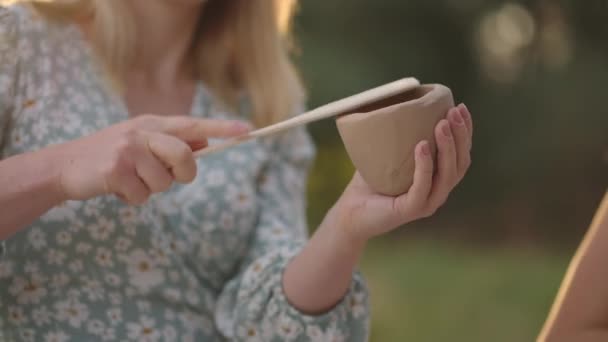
<point x="252" y="305"/>
<point x="8" y="67"/>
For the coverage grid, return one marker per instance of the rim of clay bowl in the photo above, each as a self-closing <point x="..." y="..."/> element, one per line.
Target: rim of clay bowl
<point x="435" y="91"/>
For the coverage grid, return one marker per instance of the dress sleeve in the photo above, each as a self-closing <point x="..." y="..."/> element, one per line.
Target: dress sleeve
<point x="8" y="75"/>
<point x="8" y="68"/>
<point x="252" y="305"/>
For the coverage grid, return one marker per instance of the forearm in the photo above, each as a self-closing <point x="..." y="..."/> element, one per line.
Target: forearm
<point x="581" y="336"/>
<point x="29" y="187"/>
<point x="319" y="277"/>
<point x="581" y="306"/>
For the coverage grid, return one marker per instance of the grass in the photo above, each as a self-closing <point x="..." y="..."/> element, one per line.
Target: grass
<point x="438" y="292"/>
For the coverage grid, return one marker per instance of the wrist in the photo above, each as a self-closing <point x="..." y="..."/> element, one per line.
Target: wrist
<point x="342" y="232"/>
<point x="52" y="183"/>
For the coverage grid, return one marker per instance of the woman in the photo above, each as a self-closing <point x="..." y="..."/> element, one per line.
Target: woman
<point x="580" y="312"/>
<point x="225" y="257"/>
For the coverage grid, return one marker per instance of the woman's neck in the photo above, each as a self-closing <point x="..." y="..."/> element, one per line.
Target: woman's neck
<point x="165" y="31"/>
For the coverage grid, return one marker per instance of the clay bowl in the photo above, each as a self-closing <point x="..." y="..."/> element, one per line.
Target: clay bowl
<point x="380" y="137"/>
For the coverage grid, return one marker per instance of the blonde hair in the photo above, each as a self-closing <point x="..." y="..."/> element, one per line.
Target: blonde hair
<point x="241" y="48"/>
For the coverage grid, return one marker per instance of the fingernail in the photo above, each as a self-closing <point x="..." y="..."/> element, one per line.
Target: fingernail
<point x="457" y="117"/>
<point x="447" y="131"/>
<point x="426" y="150"/>
<point x="464" y="111"/>
<point x="243" y="126"/>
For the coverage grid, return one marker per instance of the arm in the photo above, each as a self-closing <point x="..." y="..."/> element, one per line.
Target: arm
<point x="580" y="311"/>
<point x="320" y="275"/>
<point x="310" y="290"/>
<point x="253" y="305"/>
<point x="28" y="181"/>
<point x="132" y="160"/>
<point x="29" y="184"/>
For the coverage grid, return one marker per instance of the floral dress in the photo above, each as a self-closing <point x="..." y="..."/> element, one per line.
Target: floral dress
<point x="201" y="262"/>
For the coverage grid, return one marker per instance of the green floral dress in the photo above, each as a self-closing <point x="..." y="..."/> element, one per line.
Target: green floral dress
<point x="202" y="262"/>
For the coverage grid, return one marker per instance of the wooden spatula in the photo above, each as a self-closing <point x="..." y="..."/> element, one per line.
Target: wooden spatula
<point x="329" y="110"/>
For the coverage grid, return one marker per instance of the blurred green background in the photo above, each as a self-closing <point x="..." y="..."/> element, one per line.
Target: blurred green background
<point x="533" y="73"/>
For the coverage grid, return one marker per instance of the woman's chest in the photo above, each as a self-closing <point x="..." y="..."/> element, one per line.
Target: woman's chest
<point x="200" y="229"/>
<point x="59" y="98"/>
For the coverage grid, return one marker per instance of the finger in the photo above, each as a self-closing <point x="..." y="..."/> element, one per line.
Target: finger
<point x="154" y="174"/>
<point x="413" y="203"/>
<point x="189" y="129"/>
<point x="468" y="119"/>
<point x="175" y="154"/>
<point x="446" y="176"/>
<point x="461" y="140"/>
<point x="128" y="186"/>
<point x="198" y="145"/>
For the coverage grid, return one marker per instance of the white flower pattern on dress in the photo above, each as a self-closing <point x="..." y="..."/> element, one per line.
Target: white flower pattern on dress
<point x="201" y="262"/>
<point x="56" y="336"/>
<point x="29" y="290"/>
<point x="104" y="257"/>
<point x="6" y="269"/>
<point x="16" y="315"/>
<point x="41" y="316"/>
<point x="27" y="335"/>
<point x="72" y="311"/>
<point x="95" y="327"/>
<point x="64" y="238"/>
<point x="76" y="266"/>
<point x="37" y="238"/>
<point x="145" y="330"/>
<point x="143" y="271"/>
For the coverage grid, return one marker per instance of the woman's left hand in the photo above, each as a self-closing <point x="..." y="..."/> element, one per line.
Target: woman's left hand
<point x="365" y="214"/>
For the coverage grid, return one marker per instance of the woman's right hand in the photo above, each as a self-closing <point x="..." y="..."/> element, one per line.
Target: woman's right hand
<point x="138" y="157"/>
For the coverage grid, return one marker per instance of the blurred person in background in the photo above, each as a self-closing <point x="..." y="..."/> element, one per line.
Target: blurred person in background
<point x="580" y="311"/>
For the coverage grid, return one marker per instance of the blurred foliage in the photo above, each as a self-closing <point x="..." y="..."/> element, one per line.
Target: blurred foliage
<point x="429" y="291"/>
<point x="533" y="75"/>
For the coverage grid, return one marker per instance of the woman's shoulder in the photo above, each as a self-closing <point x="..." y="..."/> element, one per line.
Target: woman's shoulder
<point x="22" y="24"/>
<point x="22" y="18"/>
<point x="8" y="23"/>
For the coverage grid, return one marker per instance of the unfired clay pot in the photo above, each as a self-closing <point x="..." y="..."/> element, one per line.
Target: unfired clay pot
<point x="380" y="138"/>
